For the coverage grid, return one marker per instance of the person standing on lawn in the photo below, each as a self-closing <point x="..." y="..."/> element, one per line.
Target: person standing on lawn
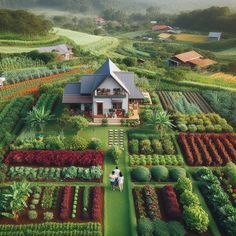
<point x="117" y="174"/>
<point x="112" y="178"/>
<point x="121" y="182"/>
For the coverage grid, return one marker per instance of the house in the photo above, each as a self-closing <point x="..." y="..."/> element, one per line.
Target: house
<point x="2" y="80"/>
<point x="109" y="92"/>
<point x="192" y="59"/>
<point x="64" y="52"/>
<point x="100" y="21"/>
<point x="214" y="36"/>
<point x="161" y="28"/>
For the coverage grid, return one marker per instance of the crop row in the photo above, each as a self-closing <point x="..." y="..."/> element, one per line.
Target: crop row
<point x="208" y="149"/>
<point x="55" y="158"/>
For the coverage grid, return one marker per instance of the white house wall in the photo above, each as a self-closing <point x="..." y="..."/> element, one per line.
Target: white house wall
<point x="109" y="83"/>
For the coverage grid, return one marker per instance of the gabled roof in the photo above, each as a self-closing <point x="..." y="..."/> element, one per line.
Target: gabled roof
<point x="161" y="27"/>
<point x="61" y="48"/>
<point x="188" y="56"/>
<point x="203" y="62"/>
<point x="89" y="83"/>
<point x="214" y="35"/>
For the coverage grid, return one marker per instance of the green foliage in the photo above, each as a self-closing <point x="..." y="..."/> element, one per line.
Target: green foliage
<point x="196" y="218"/>
<point x="177" y="172"/>
<point x="54" y="143"/>
<point x="145" y="146"/>
<point x="188" y="198"/>
<point x="48" y="216"/>
<point x="230" y="172"/>
<point x="76" y="143"/>
<point x="145" y="227"/>
<point x="114" y="153"/>
<point x="140" y="174"/>
<point x="176" y="229"/>
<point x="78" y="122"/>
<point x="183" y="106"/>
<point x="33" y="215"/>
<point x="85" y="209"/>
<point x="129" y="61"/>
<point x="95" y="144"/>
<point x="160" y="173"/>
<point x="134" y="146"/>
<point x="183" y="184"/>
<point x="160" y="228"/>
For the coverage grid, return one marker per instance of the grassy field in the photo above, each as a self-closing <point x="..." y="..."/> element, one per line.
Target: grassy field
<point x="15" y="49"/>
<point x="96" y="44"/>
<point x="195" y="38"/>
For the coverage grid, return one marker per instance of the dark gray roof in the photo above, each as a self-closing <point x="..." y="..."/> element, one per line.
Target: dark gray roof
<point x="107" y="68"/>
<point x="214" y="35"/>
<point x="128" y="79"/>
<point x="90" y="82"/>
<point x="72" y="88"/>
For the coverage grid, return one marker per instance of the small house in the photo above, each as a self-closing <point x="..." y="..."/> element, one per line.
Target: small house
<point x="192" y="59"/>
<point x="215" y="36"/>
<point x="64" y="52"/>
<point x="100" y="21"/>
<point x="161" y="28"/>
<point x="2" y="80"/>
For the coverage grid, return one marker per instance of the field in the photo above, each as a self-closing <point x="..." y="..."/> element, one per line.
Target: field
<point x="96" y="44"/>
<point x="191" y="38"/>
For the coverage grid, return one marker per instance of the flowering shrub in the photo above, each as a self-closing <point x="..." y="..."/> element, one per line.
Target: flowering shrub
<point x="55" y="158"/>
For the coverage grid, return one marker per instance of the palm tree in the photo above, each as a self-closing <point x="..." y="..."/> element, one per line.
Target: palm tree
<point x="14" y="199"/>
<point x="38" y="118"/>
<point x="160" y="121"/>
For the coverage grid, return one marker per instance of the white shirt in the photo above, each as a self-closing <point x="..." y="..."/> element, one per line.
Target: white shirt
<point x="112" y="177"/>
<point x="117" y="173"/>
<point x="121" y="180"/>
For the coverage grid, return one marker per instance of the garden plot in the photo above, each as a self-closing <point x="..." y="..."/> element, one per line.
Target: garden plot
<point x="168" y="209"/>
<point x="185" y="102"/>
<point x="116" y="137"/>
<point x="208" y="149"/>
<point x="59" y="204"/>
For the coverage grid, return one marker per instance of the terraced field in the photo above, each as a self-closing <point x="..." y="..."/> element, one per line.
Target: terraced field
<point x="191" y="38"/>
<point x="96" y="44"/>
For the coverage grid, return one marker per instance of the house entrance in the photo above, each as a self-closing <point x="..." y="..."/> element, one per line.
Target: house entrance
<point x="99" y="108"/>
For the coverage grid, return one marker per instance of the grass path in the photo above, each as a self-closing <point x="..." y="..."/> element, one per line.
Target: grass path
<point x="117" y="204"/>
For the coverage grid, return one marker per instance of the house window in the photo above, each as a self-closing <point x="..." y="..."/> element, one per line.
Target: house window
<point x="117" y="105"/>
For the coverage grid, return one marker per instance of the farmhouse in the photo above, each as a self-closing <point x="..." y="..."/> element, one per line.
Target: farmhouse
<point x="109" y="92"/>
<point x="64" y="52"/>
<point x="214" y="36"/>
<point x="161" y="28"/>
<point x="100" y="21"/>
<point x="192" y="59"/>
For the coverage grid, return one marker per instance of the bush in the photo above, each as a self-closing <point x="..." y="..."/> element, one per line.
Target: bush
<point x="196" y="218"/>
<point x="133" y="146"/>
<point x="183" y="184"/>
<point x="176" y="228"/>
<point x="145" y="146"/>
<point x="182" y="127"/>
<point x="160" y="173"/>
<point x="114" y="153"/>
<point x="192" y="128"/>
<point x="76" y="143"/>
<point x="32" y="215"/>
<point x="145" y="227"/>
<point x="105" y="122"/>
<point x="160" y="228"/>
<point x="54" y="143"/>
<point x="141" y="174"/>
<point x="177" y="172"/>
<point x="95" y="144"/>
<point x="188" y="198"/>
<point x="157" y="146"/>
<point x="47" y="216"/>
<point x="78" y="122"/>
<point x="230" y="171"/>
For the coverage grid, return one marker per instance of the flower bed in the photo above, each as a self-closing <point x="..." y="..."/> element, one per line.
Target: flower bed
<point x="208" y="149"/>
<point x="55" y="158"/>
<point x="152" y="160"/>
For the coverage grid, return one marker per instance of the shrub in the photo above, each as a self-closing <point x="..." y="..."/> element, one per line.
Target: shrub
<point x="201" y="128"/>
<point x="95" y="144"/>
<point x="78" y="122"/>
<point x="183" y="184"/>
<point x="145" y="146"/>
<point x="133" y="146"/>
<point x="32" y="215"/>
<point x="188" y="198"/>
<point x="145" y="227"/>
<point x="54" y="143"/>
<point x="157" y="146"/>
<point x="47" y="216"/>
<point x="141" y="174"/>
<point x="176" y="228"/>
<point x="230" y="171"/>
<point x="104" y="122"/>
<point x="77" y="143"/>
<point x="114" y="153"/>
<point x="196" y="218"/>
<point x="182" y="127"/>
<point x="160" y="173"/>
<point x="177" y="172"/>
<point x="160" y="228"/>
<point x="192" y="128"/>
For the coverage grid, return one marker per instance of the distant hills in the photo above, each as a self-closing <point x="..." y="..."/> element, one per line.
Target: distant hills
<point x="167" y="6"/>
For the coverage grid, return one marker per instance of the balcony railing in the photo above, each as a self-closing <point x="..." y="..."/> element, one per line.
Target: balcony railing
<point x="108" y="93"/>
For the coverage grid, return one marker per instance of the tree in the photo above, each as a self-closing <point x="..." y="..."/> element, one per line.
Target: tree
<point x="38" y="118"/>
<point x="160" y="121"/>
<point x="129" y="61"/>
<point x="14" y="199"/>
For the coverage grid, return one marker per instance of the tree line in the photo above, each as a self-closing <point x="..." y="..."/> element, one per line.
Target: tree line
<point x="23" y="22"/>
<point x="210" y="19"/>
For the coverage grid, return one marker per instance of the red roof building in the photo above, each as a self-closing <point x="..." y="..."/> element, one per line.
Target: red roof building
<point x="161" y="28"/>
